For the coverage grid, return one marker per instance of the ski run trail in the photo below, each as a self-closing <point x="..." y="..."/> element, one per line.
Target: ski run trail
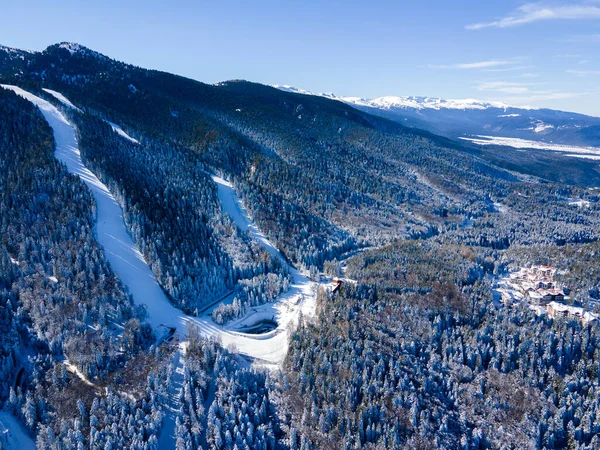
<point x="13" y="435"/>
<point x="268" y="349"/>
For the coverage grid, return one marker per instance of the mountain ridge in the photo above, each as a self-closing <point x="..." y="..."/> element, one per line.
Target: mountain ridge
<point x="468" y="117"/>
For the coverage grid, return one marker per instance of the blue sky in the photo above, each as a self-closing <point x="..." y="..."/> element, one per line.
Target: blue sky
<point x="523" y="53"/>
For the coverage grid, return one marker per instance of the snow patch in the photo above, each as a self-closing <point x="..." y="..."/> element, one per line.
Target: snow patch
<point x="61" y="98"/>
<point x="574" y="151"/>
<point x="71" y="47"/>
<point x="580" y="203"/>
<point x="13" y="435"/>
<point x="117" y="129"/>
<point x="12" y="50"/>
<point x="499" y="207"/>
<point x="75" y="371"/>
<point x="541" y="127"/>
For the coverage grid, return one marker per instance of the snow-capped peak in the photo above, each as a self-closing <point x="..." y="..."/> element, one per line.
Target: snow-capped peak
<point x="77" y="49"/>
<point x="392" y="102"/>
<point x="72" y="47"/>
<point x="288" y="88"/>
<point x="408" y="102"/>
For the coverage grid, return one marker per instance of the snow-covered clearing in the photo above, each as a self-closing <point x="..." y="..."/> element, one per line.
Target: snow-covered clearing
<point x="65" y="101"/>
<point x="129" y="264"/>
<point x="597" y="157"/>
<point x="117" y="129"/>
<point x="12" y="434"/>
<point x="570" y="150"/>
<point x="61" y="98"/>
<point x="75" y="371"/>
<point x="167" y="432"/>
<point x="580" y="203"/>
<point x="499" y="207"/>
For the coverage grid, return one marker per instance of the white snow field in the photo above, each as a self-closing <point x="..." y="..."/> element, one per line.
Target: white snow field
<point x="569" y="150"/>
<point x="12" y="434"/>
<point x="61" y="98"/>
<point x="117" y="129"/>
<point x="129" y="264"/>
<point x="65" y="101"/>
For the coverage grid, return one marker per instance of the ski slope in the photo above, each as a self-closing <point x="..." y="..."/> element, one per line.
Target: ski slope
<point x="117" y="129"/>
<point x="65" y="101"/>
<point x="61" y="98"/>
<point x="12" y="434"/>
<point x="127" y="261"/>
<point x="124" y="257"/>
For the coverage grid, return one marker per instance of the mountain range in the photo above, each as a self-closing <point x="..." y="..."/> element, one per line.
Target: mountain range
<point x="460" y="118"/>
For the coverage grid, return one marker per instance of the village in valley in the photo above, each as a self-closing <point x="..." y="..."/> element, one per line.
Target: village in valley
<point x="537" y="288"/>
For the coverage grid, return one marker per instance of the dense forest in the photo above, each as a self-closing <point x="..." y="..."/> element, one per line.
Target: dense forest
<point x="416" y="358"/>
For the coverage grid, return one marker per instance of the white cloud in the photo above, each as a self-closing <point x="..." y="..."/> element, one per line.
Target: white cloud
<point x="474" y="65"/>
<point x="535" y="12"/>
<point x="583" y="73"/>
<point x="532" y="99"/>
<point x="507" y="87"/>
<point x="523" y="93"/>
<point x="508" y="69"/>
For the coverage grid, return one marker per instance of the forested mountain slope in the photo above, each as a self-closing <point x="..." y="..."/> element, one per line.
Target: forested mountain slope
<point x="313" y="171"/>
<point x="414" y="355"/>
<point x="455" y="118"/>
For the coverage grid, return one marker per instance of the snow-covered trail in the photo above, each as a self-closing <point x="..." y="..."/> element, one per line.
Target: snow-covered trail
<point x="233" y="206"/>
<point x="122" y="253"/>
<point x="300" y="297"/>
<point x="167" y="432"/>
<point x="129" y="264"/>
<point x="12" y="434"/>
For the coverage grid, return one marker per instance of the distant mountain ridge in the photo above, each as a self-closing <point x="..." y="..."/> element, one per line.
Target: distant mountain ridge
<point x="415" y="102"/>
<point x="458" y="118"/>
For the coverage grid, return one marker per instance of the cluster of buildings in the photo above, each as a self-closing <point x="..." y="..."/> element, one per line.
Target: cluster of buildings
<point x="536" y="286"/>
<point x="555" y="309"/>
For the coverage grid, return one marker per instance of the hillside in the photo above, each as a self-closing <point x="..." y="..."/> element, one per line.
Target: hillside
<point x="234" y="266"/>
<point x="457" y="118"/>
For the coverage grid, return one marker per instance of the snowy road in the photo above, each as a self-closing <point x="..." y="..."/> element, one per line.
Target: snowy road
<point x="129" y="264"/>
